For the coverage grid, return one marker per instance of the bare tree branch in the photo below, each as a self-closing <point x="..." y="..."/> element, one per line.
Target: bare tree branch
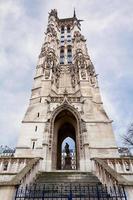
<point x="128" y="137"/>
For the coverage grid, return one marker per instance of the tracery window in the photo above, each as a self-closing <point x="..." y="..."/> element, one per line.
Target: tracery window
<point x="62" y="30"/>
<point x="69" y="54"/>
<point x="62" y="56"/>
<point x="68" y="29"/>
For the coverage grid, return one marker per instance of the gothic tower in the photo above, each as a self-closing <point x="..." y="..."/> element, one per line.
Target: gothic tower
<point x="65" y="101"/>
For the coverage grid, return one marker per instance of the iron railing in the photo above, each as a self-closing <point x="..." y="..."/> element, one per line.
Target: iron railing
<point x="6" y="151"/>
<point x="70" y="191"/>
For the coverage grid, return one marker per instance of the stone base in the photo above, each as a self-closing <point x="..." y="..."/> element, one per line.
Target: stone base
<point x="68" y="165"/>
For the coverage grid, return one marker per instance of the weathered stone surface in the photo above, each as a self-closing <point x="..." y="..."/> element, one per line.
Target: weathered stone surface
<point x="65" y="93"/>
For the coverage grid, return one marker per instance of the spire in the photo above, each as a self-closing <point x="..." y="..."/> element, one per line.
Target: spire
<point x="74" y="13"/>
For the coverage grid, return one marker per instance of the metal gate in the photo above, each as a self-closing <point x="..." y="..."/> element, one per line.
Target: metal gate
<point x="70" y="191"/>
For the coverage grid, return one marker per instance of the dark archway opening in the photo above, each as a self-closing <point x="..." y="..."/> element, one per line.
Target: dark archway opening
<point x="65" y="131"/>
<point x="65" y="126"/>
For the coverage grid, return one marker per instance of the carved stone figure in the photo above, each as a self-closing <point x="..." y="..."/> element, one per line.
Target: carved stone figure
<point x="51" y="30"/>
<point x="47" y="73"/>
<point x="83" y="74"/>
<point x="80" y="60"/>
<point x="53" y="13"/>
<point x="56" y="72"/>
<point x="73" y="80"/>
<point x="78" y="37"/>
<point x="49" y="64"/>
<point x="67" y="150"/>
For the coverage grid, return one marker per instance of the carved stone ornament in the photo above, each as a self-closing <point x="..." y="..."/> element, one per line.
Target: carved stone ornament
<point x="43" y="51"/>
<point x="73" y="75"/>
<point x="47" y="73"/>
<point x="47" y="127"/>
<point x="51" y="30"/>
<point x="83" y="127"/>
<point x="56" y="75"/>
<point x="83" y="74"/>
<point x="49" y="64"/>
<point x="78" y="37"/>
<point x="91" y="69"/>
<point x="80" y="63"/>
<point x="53" y="13"/>
<point x="80" y="60"/>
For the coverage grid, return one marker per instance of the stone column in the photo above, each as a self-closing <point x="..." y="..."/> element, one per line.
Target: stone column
<point x="86" y="151"/>
<point x="129" y="192"/>
<point x="7" y="192"/>
<point x="44" y="162"/>
<point x="87" y="157"/>
<point x="1" y="166"/>
<point x="9" y="165"/>
<point x="17" y="165"/>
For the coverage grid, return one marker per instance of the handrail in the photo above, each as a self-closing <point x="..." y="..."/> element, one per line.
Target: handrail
<point x="114" y="176"/>
<point x="17" y="180"/>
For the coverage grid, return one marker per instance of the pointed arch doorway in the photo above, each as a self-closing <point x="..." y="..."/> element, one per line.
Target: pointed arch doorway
<point x="65" y="125"/>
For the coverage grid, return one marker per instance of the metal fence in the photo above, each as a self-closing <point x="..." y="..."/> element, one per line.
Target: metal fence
<point x="70" y="191"/>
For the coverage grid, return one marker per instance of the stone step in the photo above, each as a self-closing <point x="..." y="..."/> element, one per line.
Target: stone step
<point x="66" y="177"/>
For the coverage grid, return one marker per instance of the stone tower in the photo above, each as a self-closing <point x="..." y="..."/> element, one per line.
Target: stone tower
<point x="65" y="101"/>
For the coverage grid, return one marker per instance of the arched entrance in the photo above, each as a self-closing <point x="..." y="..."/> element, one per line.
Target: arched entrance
<point x="65" y="131"/>
<point x="65" y="125"/>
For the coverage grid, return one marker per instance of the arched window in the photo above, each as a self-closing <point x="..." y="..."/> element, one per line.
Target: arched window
<point x="69" y="54"/>
<point x="62" y="29"/>
<point x="62" y="56"/>
<point x="68" y="34"/>
<point x="68" y="29"/>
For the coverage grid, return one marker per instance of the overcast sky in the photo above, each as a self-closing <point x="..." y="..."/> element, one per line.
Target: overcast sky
<point x="108" y="28"/>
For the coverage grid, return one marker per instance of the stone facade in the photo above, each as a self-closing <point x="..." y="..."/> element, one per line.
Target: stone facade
<point x="65" y="83"/>
<point x="65" y="102"/>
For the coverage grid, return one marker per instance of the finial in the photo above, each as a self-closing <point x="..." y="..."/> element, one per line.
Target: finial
<point x="74" y="13"/>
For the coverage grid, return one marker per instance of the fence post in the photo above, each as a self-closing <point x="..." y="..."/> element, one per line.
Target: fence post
<point x="43" y="192"/>
<point x="107" y="193"/>
<point x="70" y="196"/>
<point x="98" y="196"/>
<point x="115" y="191"/>
<point x="124" y="192"/>
<point x="25" y="196"/>
<point x="16" y="193"/>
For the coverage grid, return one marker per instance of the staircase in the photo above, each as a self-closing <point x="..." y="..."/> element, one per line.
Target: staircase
<point x="68" y="185"/>
<point x="66" y="177"/>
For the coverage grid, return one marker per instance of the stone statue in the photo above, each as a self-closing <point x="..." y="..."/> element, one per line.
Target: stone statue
<point x="67" y="150"/>
<point x="67" y="164"/>
<point x="83" y="74"/>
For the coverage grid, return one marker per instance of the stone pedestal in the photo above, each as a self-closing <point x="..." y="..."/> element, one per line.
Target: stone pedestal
<point x="68" y="164"/>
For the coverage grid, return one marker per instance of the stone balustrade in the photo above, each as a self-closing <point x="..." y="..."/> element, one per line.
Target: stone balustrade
<point x="105" y="175"/>
<point x="123" y="166"/>
<point x="14" y="171"/>
<point x="120" y="165"/>
<point x="29" y="173"/>
<point x="114" y="171"/>
<point x="12" y="165"/>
